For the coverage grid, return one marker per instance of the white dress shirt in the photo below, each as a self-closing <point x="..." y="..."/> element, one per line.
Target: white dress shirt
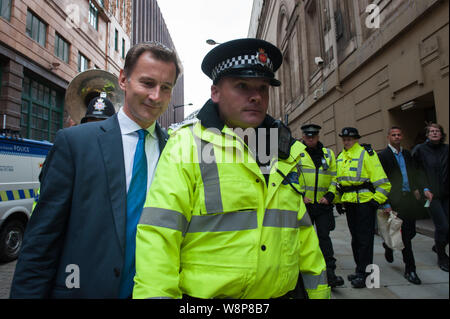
<point x="130" y="139"/>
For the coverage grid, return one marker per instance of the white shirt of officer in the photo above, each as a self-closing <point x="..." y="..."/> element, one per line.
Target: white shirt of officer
<point x="130" y="139"/>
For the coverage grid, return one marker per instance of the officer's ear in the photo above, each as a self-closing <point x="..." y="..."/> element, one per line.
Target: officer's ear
<point x="215" y="93"/>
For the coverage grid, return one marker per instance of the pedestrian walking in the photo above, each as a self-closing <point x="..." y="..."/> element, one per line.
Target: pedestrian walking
<point x="362" y="186"/>
<point x="221" y="221"/>
<point x="432" y="158"/>
<point x="403" y="198"/>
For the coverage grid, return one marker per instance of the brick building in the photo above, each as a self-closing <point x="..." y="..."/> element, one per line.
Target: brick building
<point x="350" y="64"/>
<point x="43" y="45"/>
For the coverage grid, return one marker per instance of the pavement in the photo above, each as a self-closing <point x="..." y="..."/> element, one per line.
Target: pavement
<point x="392" y="284"/>
<point x="435" y="282"/>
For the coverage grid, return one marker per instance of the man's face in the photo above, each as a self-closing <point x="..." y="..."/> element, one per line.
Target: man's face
<point x="148" y="89"/>
<point x="242" y="102"/>
<point x="311" y="141"/>
<point x="348" y="142"/>
<point x="395" y="137"/>
<point x="434" y="134"/>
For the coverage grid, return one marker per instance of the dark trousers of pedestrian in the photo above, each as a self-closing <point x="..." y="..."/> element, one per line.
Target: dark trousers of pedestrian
<point x="361" y="223"/>
<point x="439" y="214"/>
<point x="322" y="217"/>
<point x="408" y="230"/>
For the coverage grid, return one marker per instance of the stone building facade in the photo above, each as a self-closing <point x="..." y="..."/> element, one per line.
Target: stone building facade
<point x="367" y="64"/>
<point x="149" y="25"/>
<point x="43" y="45"/>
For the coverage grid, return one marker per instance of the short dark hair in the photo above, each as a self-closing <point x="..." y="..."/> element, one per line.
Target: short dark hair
<point x="159" y="52"/>
<point x="394" y="128"/>
<point x="435" y="125"/>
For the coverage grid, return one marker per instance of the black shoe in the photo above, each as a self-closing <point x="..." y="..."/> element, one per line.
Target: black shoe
<point x="443" y="264"/>
<point x="351" y="277"/>
<point x="413" y="278"/>
<point x="359" y="282"/>
<point x="388" y="253"/>
<point x="335" y="281"/>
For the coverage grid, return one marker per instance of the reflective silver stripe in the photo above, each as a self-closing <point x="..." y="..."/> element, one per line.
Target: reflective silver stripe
<point x="308" y="170"/>
<point x="311" y="188"/>
<point x="339" y="160"/>
<point x="354" y="169"/>
<point x="305" y="221"/>
<point x="360" y="164"/>
<point x="382" y="191"/>
<point x="313" y="281"/>
<point x="280" y="218"/>
<point x="163" y="218"/>
<point x="285" y="219"/>
<point x="233" y="221"/>
<point x="380" y="182"/>
<point x="352" y="179"/>
<point x="321" y="171"/>
<point x="210" y="177"/>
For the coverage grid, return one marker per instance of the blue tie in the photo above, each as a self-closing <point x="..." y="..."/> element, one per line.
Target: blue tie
<point x="135" y="202"/>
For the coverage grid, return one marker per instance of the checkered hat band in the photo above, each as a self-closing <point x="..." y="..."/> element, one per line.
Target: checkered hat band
<point x="239" y="60"/>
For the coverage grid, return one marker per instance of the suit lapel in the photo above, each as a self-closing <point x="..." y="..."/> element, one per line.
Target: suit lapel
<point x="110" y="140"/>
<point x="393" y="159"/>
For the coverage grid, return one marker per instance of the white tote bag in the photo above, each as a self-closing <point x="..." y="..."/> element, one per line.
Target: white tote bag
<point x="389" y="227"/>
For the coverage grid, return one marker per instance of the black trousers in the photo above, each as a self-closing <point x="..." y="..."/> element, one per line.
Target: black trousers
<point x="408" y="233"/>
<point x="322" y="217"/>
<point x="361" y="223"/>
<point x="439" y="213"/>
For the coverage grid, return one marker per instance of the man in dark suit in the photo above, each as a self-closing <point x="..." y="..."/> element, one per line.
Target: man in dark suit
<point x="80" y="240"/>
<point x="401" y="172"/>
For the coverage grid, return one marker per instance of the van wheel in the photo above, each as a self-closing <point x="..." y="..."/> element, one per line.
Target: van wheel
<point x="11" y="238"/>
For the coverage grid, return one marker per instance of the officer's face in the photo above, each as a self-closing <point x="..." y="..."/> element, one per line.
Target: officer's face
<point x="395" y="137"/>
<point x="148" y="89"/>
<point x="348" y="142"/>
<point x="242" y="102"/>
<point x="311" y="141"/>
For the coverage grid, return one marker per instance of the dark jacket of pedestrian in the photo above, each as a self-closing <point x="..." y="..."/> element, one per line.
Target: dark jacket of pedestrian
<point x="432" y="159"/>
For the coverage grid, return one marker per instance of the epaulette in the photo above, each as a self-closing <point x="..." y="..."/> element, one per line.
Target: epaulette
<point x="176" y="126"/>
<point x="368" y="148"/>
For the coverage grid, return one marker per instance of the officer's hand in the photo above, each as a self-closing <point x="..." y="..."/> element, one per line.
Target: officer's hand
<point x="340" y="209"/>
<point x="307" y="200"/>
<point x="324" y="201"/>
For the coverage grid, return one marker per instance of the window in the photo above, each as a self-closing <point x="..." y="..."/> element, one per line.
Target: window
<point x="102" y="3"/>
<point x="5" y="9"/>
<point x="93" y="15"/>
<point x="83" y="63"/>
<point x="42" y="110"/>
<point x="123" y="10"/>
<point x="123" y="48"/>
<point x="116" y="40"/>
<point x="36" y="29"/>
<point x="61" y="48"/>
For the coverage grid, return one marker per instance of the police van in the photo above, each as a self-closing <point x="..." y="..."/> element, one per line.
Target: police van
<point x="21" y="161"/>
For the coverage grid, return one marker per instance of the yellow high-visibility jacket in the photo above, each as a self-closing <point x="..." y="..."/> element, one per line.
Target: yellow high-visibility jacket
<point x="318" y="182"/>
<point x="215" y="229"/>
<point x="356" y="166"/>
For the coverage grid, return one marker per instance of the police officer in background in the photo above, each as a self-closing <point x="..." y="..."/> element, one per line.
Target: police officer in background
<point x="362" y="186"/>
<point x="217" y="223"/>
<point x="319" y="170"/>
<point x="98" y="109"/>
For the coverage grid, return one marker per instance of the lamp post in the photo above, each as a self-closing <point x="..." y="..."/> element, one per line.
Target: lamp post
<point x="212" y="42"/>
<point x="177" y="106"/>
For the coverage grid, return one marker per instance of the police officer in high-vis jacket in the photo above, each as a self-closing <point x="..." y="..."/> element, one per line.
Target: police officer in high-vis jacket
<point x="362" y="186"/>
<point x="319" y="170"/>
<point x="221" y="220"/>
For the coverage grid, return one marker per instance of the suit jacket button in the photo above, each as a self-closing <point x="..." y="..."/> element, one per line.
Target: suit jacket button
<point x="117" y="272"/>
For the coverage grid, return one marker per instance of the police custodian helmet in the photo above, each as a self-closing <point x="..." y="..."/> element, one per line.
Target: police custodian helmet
<point x="350" y="132"/>
<point x="99" y="108"/>
<point x="311" y="129"/>
<point x="243" y="58"/>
